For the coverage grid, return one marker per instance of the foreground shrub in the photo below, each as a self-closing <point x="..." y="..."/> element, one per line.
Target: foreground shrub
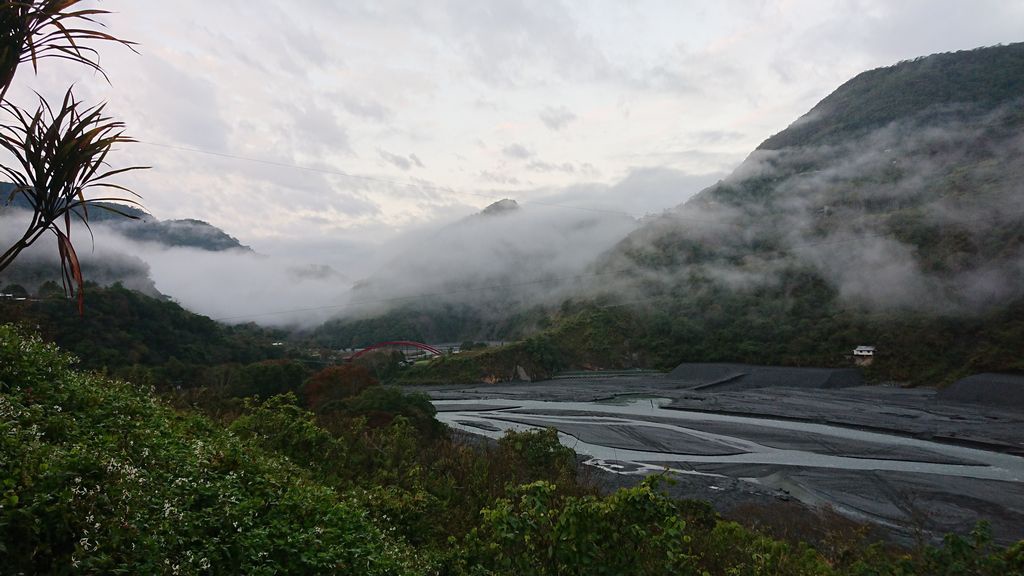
<point x="99" y="477"/>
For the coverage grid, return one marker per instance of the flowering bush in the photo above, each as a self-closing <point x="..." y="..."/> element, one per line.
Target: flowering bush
<point x="97" y="476"/>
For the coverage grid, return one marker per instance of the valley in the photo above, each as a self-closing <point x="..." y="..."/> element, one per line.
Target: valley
<point x="469" y="331"/>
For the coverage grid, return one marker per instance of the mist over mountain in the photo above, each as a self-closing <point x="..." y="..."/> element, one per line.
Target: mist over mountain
<point x="106" y="263"/>
<point x="197" y="264"/>
<point x="471" y="278"/>
<point x="891" y="214"/>
<point x="898" y="196"/>
<point x="894" y="206"/>
<point x="902" y="190"/>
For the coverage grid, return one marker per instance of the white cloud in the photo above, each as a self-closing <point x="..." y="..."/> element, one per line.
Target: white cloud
<point x="353" y="87"/>
<point x="556" y="118"/>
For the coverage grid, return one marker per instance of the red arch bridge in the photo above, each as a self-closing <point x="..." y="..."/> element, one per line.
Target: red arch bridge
<point x="400" y="344"/>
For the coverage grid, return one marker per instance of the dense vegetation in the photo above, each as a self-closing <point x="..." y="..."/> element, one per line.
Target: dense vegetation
<point x="797" y="323"/>
<point x="100" y="476"/>
<point x="982" y="77"/>
<point x="127" y="332"/>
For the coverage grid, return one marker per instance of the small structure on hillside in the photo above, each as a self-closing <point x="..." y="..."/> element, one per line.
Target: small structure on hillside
<point x="863" y="355"/>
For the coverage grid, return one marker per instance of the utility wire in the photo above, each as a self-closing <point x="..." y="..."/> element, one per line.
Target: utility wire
<point x="379" y="180"/>
<point x="449" y="190"/>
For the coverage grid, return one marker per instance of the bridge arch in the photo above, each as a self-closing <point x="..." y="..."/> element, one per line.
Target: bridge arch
<point x="393" y="343"/>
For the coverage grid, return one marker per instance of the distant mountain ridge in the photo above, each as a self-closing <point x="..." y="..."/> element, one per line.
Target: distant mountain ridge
<point x="35" y="267"/>
<point x="185" y="233"/>
<point x="949" y="83"/>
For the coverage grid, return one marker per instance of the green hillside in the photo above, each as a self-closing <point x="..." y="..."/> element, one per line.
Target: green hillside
<point x="941" y="83"/>
<point x="123" y="328"/>
<point x="100" y="478"/>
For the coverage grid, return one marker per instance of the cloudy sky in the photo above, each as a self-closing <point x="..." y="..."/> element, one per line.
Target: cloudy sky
<point x="317" y="126"/>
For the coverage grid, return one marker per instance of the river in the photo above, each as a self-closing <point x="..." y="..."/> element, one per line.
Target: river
<point x="889" y="479"/>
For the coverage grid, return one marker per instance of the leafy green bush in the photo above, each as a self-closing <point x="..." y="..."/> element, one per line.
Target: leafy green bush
<point x="539" y="454"/>
<point x="731" y="549"/>
<point x="381" y="404"/>
<point x="281" y="426"/>
<point x="100" y="477"/>
<point x="634" y="531"/>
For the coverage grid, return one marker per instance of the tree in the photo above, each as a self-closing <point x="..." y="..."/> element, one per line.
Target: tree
<point x="336" y="383"/>
<point x="60" y="153"/>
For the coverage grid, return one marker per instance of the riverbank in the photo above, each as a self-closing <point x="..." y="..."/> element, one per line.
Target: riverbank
<point x="908" y="461"/>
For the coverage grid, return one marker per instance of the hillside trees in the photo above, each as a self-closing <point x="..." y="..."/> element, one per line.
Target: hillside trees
<point x="59" y="150"/>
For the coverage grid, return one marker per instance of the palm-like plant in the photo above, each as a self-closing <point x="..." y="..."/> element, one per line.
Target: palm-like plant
<point x="31" y="30"/>
<point x="60" y="153"/>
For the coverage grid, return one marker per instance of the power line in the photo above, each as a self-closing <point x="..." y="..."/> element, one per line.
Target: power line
<point x="449" y="190"/>
<point x="379" y="180"/>
<point x="423" y="185"/>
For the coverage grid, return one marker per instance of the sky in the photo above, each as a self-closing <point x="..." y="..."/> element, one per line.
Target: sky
<point x="315" y="130"/>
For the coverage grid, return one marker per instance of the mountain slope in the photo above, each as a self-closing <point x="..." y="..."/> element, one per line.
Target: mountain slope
<point x="891" y="214"/>
<point x="982" y="78"/>
<point x="123" y="327"/>
<point x="927" y="206"/>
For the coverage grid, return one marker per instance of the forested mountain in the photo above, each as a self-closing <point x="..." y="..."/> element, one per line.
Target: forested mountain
<point x="891" y="214"/>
